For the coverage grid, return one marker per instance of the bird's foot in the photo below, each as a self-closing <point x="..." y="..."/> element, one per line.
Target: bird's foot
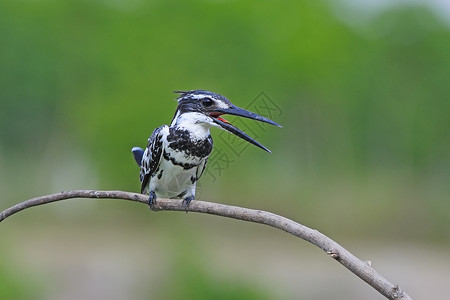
<point x="186" y="202"/>
<point x="151" y="199"/>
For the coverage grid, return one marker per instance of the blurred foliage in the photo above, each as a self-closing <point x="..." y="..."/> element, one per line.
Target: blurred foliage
<point x="192" y="282"/>
<point x="362" y="105"/>
<point x="365" y="106"/>
<point x="101" y="73"/>
<point x="16" y="286"/>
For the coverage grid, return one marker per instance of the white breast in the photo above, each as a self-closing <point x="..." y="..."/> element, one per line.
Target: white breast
<point x="198" y="124"/>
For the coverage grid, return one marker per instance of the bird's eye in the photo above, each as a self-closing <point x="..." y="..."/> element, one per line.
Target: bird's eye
<point x="207" y="102"/>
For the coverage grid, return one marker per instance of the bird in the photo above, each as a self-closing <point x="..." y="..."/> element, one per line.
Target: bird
<point x="176" y="155"/>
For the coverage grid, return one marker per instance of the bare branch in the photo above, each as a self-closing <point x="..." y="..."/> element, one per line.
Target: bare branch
<point x="360" y="268"/>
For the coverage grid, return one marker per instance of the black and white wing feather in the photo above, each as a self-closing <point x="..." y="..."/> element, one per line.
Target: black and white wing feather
<point x="151" y="157"/>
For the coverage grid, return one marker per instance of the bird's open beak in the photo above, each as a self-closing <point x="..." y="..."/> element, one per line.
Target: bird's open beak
<point x="237" y="111"/>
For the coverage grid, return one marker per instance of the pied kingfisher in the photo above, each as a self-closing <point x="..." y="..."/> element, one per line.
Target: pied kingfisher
<point x="176" y="155"/>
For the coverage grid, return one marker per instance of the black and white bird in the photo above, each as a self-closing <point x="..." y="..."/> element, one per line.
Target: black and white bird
<point x="176" y="155"/>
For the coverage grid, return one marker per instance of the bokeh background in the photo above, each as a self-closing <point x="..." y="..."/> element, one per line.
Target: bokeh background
<point x="361" y="88"/>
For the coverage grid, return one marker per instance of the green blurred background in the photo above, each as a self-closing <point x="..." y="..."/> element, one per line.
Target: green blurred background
<point x="362" y="90"/>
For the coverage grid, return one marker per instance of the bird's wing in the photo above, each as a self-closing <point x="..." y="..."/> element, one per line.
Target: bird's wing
<point x="151" y="157"/>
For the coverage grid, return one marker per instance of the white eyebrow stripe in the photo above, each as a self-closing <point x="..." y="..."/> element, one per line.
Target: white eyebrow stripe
<point x="219" y="102"/>
<point x="200" y="96"/>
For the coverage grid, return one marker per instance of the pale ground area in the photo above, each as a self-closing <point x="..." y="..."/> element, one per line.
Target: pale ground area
<point x="119" y="260"/>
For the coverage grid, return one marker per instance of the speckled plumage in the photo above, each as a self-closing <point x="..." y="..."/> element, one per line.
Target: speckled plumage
<point x="176" y="155"/>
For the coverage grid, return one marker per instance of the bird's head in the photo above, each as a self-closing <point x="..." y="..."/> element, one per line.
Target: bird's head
<point x="210" y="107"/>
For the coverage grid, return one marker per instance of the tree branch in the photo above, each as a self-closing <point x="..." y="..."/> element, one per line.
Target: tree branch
<point x="360" y="268"/>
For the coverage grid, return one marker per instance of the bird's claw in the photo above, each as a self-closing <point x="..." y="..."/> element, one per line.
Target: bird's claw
<point x="151" y="199"/>
<point x="186" y="202"/>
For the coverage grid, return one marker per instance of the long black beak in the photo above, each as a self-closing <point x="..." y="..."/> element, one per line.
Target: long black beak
<point x="237" y="111"/>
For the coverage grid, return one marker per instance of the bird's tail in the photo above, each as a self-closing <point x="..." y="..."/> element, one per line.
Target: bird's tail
<point x="138" y="152"/>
